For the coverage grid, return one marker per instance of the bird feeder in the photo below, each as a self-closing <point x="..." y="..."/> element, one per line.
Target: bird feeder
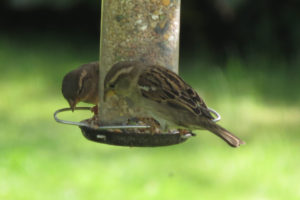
<point x="134" y="30"/>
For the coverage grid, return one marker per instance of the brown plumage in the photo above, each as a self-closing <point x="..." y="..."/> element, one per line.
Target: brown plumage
<point x="168" y="88"/>
<point x="81" y="85"/>
<point x="165" y="96"/>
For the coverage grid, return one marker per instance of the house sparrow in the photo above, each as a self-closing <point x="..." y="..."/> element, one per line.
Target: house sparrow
<point x="164" y="95"/>
<point x="81" y="85"/>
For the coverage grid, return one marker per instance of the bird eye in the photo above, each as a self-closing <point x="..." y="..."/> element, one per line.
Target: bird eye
<point x="82" y="85"/>
<point x="111" y="85"/>
<point x="80" y="90"/>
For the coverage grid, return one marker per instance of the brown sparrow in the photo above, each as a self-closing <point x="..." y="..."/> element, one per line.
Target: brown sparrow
<point x="81" y="85"/>
<point x="164" y="95"/>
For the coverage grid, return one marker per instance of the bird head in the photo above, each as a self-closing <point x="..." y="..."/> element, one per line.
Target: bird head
<point x="75" y="87"/>
<point x="120" y="77"/>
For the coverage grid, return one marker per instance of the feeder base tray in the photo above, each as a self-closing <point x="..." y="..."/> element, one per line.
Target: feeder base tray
<point x="133" y="139"/>
<point x="113" y="136"/>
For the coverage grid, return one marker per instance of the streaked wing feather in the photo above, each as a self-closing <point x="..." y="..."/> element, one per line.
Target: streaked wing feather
<point x="164" y="86"/>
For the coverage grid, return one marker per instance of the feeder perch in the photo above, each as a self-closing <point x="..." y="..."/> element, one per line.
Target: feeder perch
<point x="133" y="30"/>
<point x="107" y="135"/>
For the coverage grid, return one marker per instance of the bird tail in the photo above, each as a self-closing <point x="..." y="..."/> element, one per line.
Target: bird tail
<point x="221" y="132"/>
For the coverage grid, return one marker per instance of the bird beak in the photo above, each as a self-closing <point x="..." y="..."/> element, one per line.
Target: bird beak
<point x="72" y="104"/>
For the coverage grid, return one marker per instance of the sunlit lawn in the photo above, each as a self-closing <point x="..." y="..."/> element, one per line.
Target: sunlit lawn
<point x="41" y="159"/>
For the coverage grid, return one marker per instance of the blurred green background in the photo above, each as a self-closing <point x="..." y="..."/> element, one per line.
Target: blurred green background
<point x="241" y="56"/>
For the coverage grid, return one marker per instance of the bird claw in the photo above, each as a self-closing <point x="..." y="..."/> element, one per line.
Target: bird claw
<point x="154" y="125"/>
<point x="183" y="131"/>
<point x="94" y="109"/>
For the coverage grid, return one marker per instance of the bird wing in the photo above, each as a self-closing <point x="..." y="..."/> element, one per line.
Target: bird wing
<point x="164" y="86"/>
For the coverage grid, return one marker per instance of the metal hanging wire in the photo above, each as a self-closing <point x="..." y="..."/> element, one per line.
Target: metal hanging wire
<point x="218" y="118"/>
<point x="87" y="125"/>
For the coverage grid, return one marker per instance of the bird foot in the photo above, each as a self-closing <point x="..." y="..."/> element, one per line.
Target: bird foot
<point x="183" y="131"/>
<point x="94" y="109"/>
<point x="154" y="125"/>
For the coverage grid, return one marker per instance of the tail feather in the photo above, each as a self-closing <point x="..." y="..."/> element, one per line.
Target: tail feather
<point x="221" y="132"/>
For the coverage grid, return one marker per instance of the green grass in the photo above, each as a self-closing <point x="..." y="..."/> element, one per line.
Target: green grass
<point x="41" y="159"/>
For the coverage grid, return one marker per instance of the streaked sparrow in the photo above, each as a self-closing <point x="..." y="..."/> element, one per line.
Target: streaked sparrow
<point x="165" y="96"/>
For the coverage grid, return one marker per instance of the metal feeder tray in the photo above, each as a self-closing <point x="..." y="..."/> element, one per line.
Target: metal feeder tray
<point x="106" y="135"/>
